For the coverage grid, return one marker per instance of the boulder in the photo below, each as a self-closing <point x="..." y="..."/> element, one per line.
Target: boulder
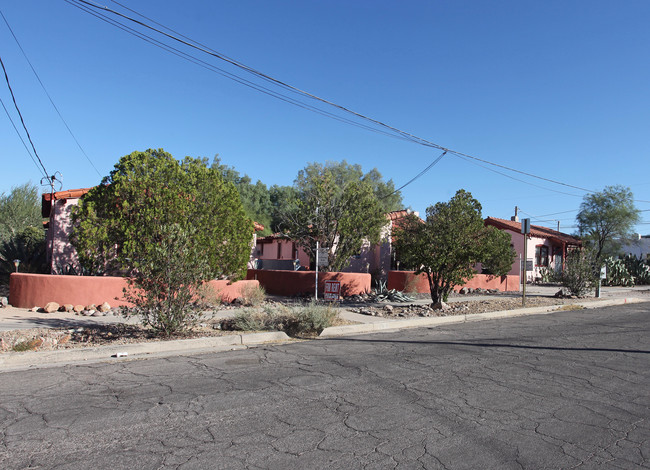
<point x="68" y="307"/>
<point x="3" y="302"/>
<point x="388" y="308"/>
<point x="78" y="308"/>
<point x="105" y="307"/>
<point x="51" y="307"/>
<point x="463" y="290"/>
<point x="91" y="307"/>
<point x="440" y="306"/>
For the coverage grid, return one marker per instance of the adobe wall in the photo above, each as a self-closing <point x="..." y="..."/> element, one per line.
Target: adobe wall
<point x="400" y="280"/>
<point x="303" y="282"/>
<point x="35" y="290"/>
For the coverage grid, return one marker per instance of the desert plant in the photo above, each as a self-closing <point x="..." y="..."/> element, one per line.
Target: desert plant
<point x="253" y="295"/>
<point x="579" y="275"/>
<point x="295" y="321"/>
<point x="314" y="317"/>
<point x="638" y="269"/>
<point x="617" y="273"/>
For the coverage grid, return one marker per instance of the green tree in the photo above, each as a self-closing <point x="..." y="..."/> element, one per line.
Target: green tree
<point x="450" y="242"/>
<point x="19" y="209"/>
<point x="255" y="198"/>
<point x="339" y="216"/>
<point x="283" y="201"/>
<point x="606" y="217"/>
<point x="28" y="246"/>
<point x="344" y="173"/>
<point x="170" y="226"/>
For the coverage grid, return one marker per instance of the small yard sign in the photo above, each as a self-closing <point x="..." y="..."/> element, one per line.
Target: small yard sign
<point x="323" y="256"/>
<point x="332" y="290"/>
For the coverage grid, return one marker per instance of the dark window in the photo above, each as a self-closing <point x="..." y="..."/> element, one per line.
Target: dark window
<point x="541" y="255"/>
<point x="279" y="249"/>
<point x="260" y="250"/>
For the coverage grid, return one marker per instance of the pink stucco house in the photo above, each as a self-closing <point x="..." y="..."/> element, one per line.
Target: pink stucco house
<point x="546" y="248"/>
<point x="57" y="207"/>
<point x="277" y="251"/>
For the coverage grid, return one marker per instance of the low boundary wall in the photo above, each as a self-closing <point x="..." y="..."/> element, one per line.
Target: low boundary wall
<point x="35" y="290"/>
<point x="409" y="281"/>
<point x="303" y="282"/>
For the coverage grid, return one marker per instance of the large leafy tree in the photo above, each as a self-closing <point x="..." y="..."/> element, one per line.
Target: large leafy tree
<point x="255" y="197"/>
<point x="339" y="214"/>
<point x="450" y="242"/>
<point x="21" y="231"/>
<point x="19" y="209"/>
<point x="344" y="173"/>
<point x="606" y="217"/>
<point x="169" y="225"/>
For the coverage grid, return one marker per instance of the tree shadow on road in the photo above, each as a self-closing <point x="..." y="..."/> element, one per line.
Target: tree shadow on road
<point x="483" y="344"/>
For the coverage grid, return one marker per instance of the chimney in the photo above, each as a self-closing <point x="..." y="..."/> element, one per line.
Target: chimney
<point x="515" y="218"/>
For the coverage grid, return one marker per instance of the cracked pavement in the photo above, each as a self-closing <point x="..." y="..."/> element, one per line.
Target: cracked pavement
<point x="565" y="390"/>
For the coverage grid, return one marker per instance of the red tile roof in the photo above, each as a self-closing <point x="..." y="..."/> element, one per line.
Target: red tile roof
<point x="535" y="231"/>
<point x="47" y="198"/>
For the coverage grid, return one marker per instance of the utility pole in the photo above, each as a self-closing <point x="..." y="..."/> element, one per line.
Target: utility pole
<point x="525" y="230"/>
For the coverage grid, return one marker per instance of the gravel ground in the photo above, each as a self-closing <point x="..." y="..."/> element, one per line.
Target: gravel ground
<point x="118" y="333"/>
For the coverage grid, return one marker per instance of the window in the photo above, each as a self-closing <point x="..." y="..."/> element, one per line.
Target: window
<point x="279" y="249"/>
<point x="541" y="255"/>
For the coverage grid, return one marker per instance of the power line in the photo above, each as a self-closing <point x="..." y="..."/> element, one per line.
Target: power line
<point x="395" y="131"/>
<point x="20" y="136"/>
<point x="21" y="118"/>
<point x="49" y="97"/>
<point x="226" y="74"/>
<point x="417" y="176"/>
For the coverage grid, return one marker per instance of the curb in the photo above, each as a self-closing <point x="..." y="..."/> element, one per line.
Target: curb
<point x="334" y="331"/>
<point x="40" y="359"/>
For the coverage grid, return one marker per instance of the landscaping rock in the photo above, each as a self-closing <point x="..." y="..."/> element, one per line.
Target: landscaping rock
<point x="3" y="302"/>
<point x="51" y="307"/>
<point x="441" y="306"/>
<point x="388" y="308"/>
<point x="34" y="309"/>
<point x="78" y="308"/>
<point x="105" y="307"/>
<point x="96" y="313"/>
<point x="463" y="290"/>
<point x="68" y="308"/>
<point x="91" y="307"/>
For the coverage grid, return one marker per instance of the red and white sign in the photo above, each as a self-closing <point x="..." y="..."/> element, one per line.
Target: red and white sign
<point x="332" y="290"/>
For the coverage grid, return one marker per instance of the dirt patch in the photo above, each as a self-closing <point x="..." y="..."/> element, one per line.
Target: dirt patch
<point x="463" y="307"/>
<point x="48" y="339"/>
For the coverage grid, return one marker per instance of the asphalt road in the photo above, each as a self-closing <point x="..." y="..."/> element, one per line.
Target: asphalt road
<point x="565" y="390"/>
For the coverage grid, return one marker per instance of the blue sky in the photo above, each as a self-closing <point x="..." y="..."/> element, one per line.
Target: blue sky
<point x="557" y="89"/>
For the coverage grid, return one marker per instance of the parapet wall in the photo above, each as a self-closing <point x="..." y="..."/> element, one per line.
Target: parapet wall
<point x="410" y="282"/>
<point x="290" y="283"/>
<point x="35" y="290"/>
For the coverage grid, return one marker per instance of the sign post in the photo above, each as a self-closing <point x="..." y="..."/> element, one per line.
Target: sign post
<point x="525" y="230"/>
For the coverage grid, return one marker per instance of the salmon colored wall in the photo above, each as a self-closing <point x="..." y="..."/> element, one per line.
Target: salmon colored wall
<point x="35" y="290"/>
<point x="302" y="282"/>
<point x="401" y="279"/>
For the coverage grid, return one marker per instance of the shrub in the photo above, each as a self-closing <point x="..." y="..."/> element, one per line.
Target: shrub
<point x="579" y="275"/>
<point x="253" y="295"/>
<point x="295" y="321"/>
<point x="168" y="225"/>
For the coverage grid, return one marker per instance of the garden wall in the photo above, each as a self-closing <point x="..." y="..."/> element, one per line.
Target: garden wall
<point x="407" y="280"/>
<point x="302" y="282"/>
<point x="35" y="290"/>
